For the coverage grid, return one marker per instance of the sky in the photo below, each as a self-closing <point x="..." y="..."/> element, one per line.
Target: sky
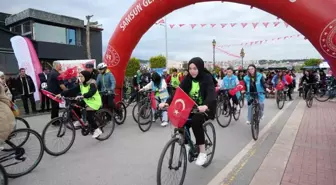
<point x="185" y="43"/>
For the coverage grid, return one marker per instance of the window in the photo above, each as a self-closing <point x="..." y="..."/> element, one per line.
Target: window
<point x="71" y="36"/>
<point x="17" y="29"/>
<point x="47" y="33"/>
<point x="26" y="27"/>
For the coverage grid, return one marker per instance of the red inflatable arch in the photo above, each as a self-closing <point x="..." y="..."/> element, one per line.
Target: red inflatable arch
<point x="315" y="19"/>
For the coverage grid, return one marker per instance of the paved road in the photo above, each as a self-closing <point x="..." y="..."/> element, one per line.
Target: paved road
<point x="130" y="156"/>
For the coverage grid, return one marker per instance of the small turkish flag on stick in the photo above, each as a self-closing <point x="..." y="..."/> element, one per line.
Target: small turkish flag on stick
<point x="180" y="108"/>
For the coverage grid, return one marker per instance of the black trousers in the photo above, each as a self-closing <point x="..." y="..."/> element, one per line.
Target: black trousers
<point x="54" y="109"/>
<point x="45" y="101"/>
<point x="196" y="124"/>
<point x="31" y="98"/>
<point x="234" y="99"/>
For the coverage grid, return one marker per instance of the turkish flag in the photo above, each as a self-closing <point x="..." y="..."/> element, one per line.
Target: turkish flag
<point x="280" y="86"/>
<point x="69" y="73"/>
<point x="180" y="108"/>
<point x="289" y="79"/>
<point x="153" y="100"/>
<point x="236" y="89"/>
<point x="51" y="96"/>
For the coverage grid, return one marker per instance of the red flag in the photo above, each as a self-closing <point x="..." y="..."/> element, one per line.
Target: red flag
<point x="161" y="21"/>
<point x="236" y="89"/>
<point x="241" y="82"/>
<point x="51" y="96"/>
<point x="180" y="108"/>
<point x="244" y="25"/>
<point x="280" y="86"/>
<point x="192" y="26"/>
<point x="153" y="100"/>
<point x="69" y="73"/>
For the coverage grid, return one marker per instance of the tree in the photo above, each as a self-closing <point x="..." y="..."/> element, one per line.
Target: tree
<point x="217" y="69"/>
<point x="312" y="62"/>
<point x="132" y="67"/>
<point x="185" y="65"/>
<point x="157" y="62"/>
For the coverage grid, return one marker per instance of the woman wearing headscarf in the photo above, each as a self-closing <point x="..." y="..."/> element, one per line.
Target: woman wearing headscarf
<point x="199" y="84"/>
<point x="91" y="99"/>
<point x="159" y="88"/>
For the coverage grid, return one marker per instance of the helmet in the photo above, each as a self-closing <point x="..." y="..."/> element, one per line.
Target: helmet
<point x="89" y="65"/>
<point x="101" y="66"/>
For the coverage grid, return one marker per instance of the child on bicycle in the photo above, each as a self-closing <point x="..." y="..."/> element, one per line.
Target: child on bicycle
<point x="255" y="83"/>
<point x="89" y="98"/>
<point x="159" y="88"/>
<point x="230" y="81"/>
<point x="199" y="84"/>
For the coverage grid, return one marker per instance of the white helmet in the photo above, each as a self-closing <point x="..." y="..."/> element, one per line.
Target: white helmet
<point x="101" y="66"/>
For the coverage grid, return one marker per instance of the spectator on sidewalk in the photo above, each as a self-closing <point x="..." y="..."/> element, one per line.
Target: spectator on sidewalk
<point x="6" y="88"/>
<point x="94" y="72"/>
<point x="26" y="88"/>
<point x="55" y="86"/>
<point x="45" y="101"/>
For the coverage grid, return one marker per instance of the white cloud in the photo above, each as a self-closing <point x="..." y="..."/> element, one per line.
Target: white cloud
<point x="184" y="43"/>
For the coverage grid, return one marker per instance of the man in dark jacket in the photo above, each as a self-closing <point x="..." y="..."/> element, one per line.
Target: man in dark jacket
<point x="94" y="72"/>
<point x="26" y="88"/>
<point x="45" y="101"/>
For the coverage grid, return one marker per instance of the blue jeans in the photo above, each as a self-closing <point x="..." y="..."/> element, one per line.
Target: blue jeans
<point x="164" y="114"/>
<point x="249" y="111"/>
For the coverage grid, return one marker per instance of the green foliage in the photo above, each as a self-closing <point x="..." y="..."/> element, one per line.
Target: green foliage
<point x="217" y="69"/>
<point x="132" y="67"/>
<point x="312" y="62"/>
<point x="185" y="65"/>
<point x="157" y="62"/>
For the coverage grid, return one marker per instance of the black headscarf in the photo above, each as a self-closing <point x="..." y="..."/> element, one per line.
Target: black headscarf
<point x="199" y="63"/>
<point x="87" y="76"/>
<point x="156" y="78"/>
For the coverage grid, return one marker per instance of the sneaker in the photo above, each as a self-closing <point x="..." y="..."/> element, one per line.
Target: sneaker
<point x="248" y="122"/>
<point x="262" y="117"/>
<point x="165" y="123"/>
<point x="201" y="159"/>
<point x="238" y="108"/>
<point x="77" y="124"/>
<point x="97" y="133"/>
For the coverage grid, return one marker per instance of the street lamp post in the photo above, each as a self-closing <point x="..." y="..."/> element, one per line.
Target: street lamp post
<point x="242" y="55"/>
<point x="214" y="52"/>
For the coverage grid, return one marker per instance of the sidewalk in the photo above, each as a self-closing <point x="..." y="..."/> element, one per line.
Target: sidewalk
<point x="305" y="151"/>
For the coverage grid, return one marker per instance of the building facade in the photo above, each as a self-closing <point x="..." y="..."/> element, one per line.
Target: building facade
<point x="55" y="37"/>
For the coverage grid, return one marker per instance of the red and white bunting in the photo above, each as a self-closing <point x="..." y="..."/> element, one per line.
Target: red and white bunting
<point x="261" y="41"/>
<point x="213" y="25"/>
<point x="233" y="24"/>
<point x="171" y="26"/>
<point x="223" y="25"/>
<point x="202" y="25"/>
<point x="193" y="26"/>
<point x="244" y="24"/>
<point x="255" y="24"/>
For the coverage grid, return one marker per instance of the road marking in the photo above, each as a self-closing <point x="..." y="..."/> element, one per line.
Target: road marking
<point x="247" y="152"/>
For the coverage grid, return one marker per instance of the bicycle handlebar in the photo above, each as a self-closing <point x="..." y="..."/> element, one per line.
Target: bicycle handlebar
<point x="108" y="93"/>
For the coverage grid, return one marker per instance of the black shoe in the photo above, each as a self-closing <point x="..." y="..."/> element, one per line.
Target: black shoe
<point x="42" y="110"/>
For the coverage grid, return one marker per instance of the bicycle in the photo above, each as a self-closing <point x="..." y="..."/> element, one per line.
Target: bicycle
<point x="120" y="111"/>
<point x="310" y="94"/>
<point x="281" y="98"/>
<point x="256" y="113"/>
<point x="103" y="118"/>
<point x="15" y="154"/>
<point x="145" y="112"/>
<point x="179" y="138"/>
<point x="225" y="108"/>
<point x="144" y="96"/>
<point x="20" y="122"/>
<point x="3" y="176"/>
<point x="325" y="93"/>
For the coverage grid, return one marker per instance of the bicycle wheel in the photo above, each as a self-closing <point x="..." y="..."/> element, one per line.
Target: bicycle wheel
<point x="106" y="123"/>
<point x="309" y="99"/>
<point x="241" y="101"/>
<point x="136" y="108"/>
<point x="210" y="142"/>
<point x="236" y="114"/>
<point x="17" y="157"/>
<point x="223" y="109"/>
<point x="322" y="95"/>
<point x="58" y="131"/>
<point x="20" y="123"/>
<point x="255" y="121"/>
<point x="145" y="112"/>
<point x="3" y="176"/>
<point x="280" y="99"/>
<point x="120" y="116"/>
<point x="171" y="166"/>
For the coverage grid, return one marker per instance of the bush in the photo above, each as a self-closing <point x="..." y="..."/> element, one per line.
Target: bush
<point x="312" y="62"/>
<point x="157" y="62"/>
<point x="132" y="67"/>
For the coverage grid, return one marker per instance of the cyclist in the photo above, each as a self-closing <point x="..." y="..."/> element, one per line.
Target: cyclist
<point x="230" y="81"/>
<point x="6" y="116"/>
<point x="93" y="72"/>
<point x="91" y="98"/>
<point x="175" y="80"/>
<point x="106" y="83"/>
<point x="309" y="78"/>
<point x="279" y="77"/>
<point x="199" y="85"/>
<point x="159" y="87"/>
<point x="254" y="82"/>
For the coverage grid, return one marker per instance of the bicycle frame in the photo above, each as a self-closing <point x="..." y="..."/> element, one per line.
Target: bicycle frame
<point x="70" y="112"/>
<point x="16" y="154"/>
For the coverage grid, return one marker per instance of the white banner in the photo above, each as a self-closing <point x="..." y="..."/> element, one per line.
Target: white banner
<point x="24" y="59"/>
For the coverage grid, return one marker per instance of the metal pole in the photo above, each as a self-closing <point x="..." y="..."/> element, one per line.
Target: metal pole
<point x="243" y="62"/>
<point x="166" y="40"/>
<point x="214" y="59"/>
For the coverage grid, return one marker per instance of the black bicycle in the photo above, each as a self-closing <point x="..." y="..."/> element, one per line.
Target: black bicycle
<point x="17" y="155"/>
<point x="309" y="87"/>
<point x="225" y="108"/>
<point x="120" y="111"/>
<point x="61" y="126"/>
<point x="181" y="137"/>
<point x="144" y="97"/>
<point x="3" y="176"/>
<point x="256" y="113"/>
<point x="20" y="123"/>
<point x="281" y="98"/>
